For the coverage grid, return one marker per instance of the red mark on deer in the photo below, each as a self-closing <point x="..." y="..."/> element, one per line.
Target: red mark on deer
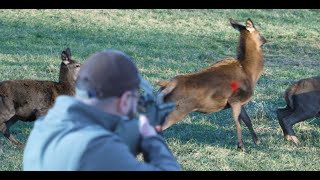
<point x="234" y="85"/>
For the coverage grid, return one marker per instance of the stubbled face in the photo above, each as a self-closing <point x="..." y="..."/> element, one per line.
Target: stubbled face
<point x="134" y="104"/>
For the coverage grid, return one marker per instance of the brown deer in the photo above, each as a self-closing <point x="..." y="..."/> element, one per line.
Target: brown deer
<point x="303" y="102"/>
<point x="28" y="99"/>
<point x="227" y="83"/>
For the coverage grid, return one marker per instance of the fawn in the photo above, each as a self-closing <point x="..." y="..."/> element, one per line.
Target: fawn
<point x="28" y="99"/>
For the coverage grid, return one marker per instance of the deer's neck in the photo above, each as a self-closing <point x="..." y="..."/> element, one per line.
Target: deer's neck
<point x="66" y="83"/>
<point x="250" y="57"/>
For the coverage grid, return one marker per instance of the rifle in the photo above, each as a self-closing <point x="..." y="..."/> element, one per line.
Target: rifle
<point x="153" y="106"/>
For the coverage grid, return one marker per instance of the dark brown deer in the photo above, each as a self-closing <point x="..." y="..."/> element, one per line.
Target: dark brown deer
<point x="303" y="102"/>
<point x="28" y="99"/>
<point x="227" y="83"/>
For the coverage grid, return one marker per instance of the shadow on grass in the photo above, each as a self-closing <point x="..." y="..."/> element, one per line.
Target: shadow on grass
<point x="220" y="133"/>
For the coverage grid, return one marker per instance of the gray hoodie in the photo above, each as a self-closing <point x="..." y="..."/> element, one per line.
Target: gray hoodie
<point x="76" y="136"/>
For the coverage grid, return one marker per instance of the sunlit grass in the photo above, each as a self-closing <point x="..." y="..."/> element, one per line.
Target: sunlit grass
<point x="165" y="43"/>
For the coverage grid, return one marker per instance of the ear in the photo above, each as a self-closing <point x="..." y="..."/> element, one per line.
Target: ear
<point x="249" y="25"/>
<point x="124" y="103"/>
<point x="66" y="62"/>
<point x="66" y="55"/>
<point x="236" y="25"/>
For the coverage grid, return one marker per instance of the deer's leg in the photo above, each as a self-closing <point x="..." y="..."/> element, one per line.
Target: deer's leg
<point x="247" y="121"/>
<point x="5" y="129"/>
<point x="282" y="113"/>
<point x="7" y="119"/>
<point x="236" y="110"/>
<point x="176" y="116"/>
<point x="295" y="117"/>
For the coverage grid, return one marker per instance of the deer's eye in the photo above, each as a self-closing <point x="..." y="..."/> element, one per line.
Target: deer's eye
<point x="77" y="65"/>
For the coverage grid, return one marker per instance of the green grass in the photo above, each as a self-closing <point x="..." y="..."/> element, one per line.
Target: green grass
<point x="166" y="43"/>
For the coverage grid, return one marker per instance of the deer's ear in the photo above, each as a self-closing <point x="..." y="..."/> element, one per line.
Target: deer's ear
<point x="66" y="55"/>
<point x="236" y="25"/>
<point x="249" y="25"/>
<point x="66" y="62"/>
<point x="68" y="51"/>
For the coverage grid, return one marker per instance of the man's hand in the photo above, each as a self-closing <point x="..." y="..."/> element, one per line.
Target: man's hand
<point x="146" y="130"/>
<point x="159" y="127"/>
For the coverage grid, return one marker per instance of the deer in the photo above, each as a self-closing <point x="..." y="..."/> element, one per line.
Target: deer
<point x="302" y="102"/>
<point x="228" y="83"/>
<point x="28" y="99"/>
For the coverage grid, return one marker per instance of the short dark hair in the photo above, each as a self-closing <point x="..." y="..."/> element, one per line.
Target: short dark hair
<point x="108" y="73"/>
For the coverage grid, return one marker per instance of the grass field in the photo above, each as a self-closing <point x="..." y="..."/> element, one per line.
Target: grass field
<point x="166" y="43"/>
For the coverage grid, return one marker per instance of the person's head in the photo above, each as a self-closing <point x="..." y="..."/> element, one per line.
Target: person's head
<point x="110" y="80"/>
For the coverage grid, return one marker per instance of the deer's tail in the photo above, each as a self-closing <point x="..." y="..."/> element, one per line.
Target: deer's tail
<point x="163" y="83"/>
<point x="166" y="87"/>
